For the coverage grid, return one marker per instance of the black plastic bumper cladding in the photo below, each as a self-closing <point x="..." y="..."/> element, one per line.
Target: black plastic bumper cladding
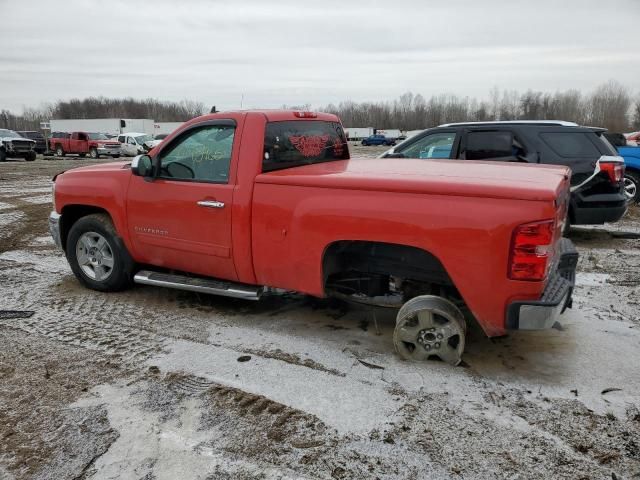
<point x="559" y="289"/>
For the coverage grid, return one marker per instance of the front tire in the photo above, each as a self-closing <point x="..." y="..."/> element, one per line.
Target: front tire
<point x="98" y="256"/>
<point x="3" y="156"/>
<point x="93" y="153"/>
<point x="59" y="151"/>
<point x="30" y="157"/>
<point x="632" y="186"/>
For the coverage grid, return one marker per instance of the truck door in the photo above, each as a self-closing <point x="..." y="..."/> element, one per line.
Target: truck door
<point x="182" y="219"/>
<point x="78" y="143"/>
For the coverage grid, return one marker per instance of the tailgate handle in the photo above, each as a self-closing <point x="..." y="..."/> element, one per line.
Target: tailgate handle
<point x="211" y="204"/>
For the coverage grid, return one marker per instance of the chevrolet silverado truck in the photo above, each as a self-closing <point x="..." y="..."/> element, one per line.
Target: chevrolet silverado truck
<point x="255" y="203"/>
<point x="14" y="145"/>
<point x="81" y="143"/>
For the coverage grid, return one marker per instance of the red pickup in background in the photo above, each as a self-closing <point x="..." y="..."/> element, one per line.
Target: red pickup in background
<point x="83" y="143"/>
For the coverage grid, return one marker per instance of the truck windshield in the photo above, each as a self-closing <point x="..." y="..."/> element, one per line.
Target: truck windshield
<point x="98" y="136"/>
<point x="302" y="142"/>
<point x="143" y="138"/>
<point x="8" y="133"/>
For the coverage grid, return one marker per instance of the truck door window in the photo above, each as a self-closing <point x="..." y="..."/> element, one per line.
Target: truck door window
<point x="436" y="145"/>
<point x="121" y="138"/>
<point x="131" y="141"/>
<point x="201" y="154"/>
<point x="491" y="145"/>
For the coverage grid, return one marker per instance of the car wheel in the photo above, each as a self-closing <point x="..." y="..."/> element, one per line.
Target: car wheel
<point x="30" y="157"/>
<point x="98" y="256"/>
<point x="632" y="186"/>
<point x="59" y="151"/>
<point x="93" y="153"/>
<point x="115" y="156"/>
<point x="3" y="156"/>
<point x="430" y="326"/>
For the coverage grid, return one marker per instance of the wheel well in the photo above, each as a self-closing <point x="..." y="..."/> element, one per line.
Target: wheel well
<point x="377" y="268"/>
<point x="71" y="214"/>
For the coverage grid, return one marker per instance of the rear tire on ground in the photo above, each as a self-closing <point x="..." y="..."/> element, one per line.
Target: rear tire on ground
<point x="59" y="151"/>
<point x="430" y="326"/>
<point x="30" y="157"/>
<point x="98" y="256"/>
<point x="632" y="186"/>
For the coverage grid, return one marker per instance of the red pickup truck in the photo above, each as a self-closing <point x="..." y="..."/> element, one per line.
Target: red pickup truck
<point x="81" y="143"/>
<point x="247" y="204"/>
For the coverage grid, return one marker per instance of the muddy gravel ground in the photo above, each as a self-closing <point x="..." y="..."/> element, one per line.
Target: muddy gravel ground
<point x="159" y="384"/>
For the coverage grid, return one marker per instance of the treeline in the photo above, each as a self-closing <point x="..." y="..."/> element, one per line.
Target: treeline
<point x="101" y="107"/>
<point x="611" y="105"/>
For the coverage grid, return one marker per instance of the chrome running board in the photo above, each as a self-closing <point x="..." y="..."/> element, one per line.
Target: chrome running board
<point x="198" y="284"/>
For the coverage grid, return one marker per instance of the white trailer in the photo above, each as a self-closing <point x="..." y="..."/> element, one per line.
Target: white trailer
<point x="389" y="133"/>
<point x="165" y="127"/>
<point x="113" y="126"/>
<point x="358" y="133"/>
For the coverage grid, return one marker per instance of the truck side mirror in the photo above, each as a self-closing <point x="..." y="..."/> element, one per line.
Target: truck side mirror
<point x="142" y="166"/>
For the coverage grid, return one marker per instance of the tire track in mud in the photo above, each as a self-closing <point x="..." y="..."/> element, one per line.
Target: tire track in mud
<point x="128" y="344"/>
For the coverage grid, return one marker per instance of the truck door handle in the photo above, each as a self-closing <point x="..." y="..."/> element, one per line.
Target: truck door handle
<point x="211" y="204"/>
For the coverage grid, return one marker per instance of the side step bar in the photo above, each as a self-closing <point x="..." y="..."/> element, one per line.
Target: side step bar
<point x="195" y="284"/>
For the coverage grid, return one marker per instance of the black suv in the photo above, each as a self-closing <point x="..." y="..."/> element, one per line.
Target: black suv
<point x="597" y="186"/>
<point x="41" y="143"/>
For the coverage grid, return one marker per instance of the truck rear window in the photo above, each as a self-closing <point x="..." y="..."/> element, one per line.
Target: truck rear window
<point x="302" y="142"/>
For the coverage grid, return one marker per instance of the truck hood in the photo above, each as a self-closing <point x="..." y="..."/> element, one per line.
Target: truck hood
<point x="8" y="139"/>
<point x="102" y="167"/>
<point x="445" y="177"/>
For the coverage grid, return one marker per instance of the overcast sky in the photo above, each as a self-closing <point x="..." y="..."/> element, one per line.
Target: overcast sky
<point x="300" y="51"/>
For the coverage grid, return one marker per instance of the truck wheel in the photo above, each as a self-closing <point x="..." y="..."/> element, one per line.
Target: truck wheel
<point x="3" y="156"/>
<point x="430" y="326"/>
<point x="98" y="256"/>
<point x="93" y="153"/>
<point x="30" y="157"/>
<point x="632" y="186"/>
<point x="59" y="151"/>
<point x="115" y="156"/>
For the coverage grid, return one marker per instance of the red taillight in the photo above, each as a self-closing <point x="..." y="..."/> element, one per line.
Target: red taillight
<point x="615" y="171"/>
<point x="531" y="250"/>
<point x="305" y="114"/>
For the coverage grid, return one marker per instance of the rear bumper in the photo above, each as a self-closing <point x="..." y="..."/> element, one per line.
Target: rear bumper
<point x="556" y="298"/>
<point x="598" y="209"/>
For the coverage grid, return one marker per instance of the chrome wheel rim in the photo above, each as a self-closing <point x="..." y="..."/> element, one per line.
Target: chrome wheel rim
<point x="95" y="256"/>
<point x="430" y="332"/>
<point x="630" y="188"/>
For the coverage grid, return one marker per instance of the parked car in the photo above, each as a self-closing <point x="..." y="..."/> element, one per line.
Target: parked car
<point x="283" y="207"/>
<point x="633" y="139"/>
<point x="83" y="143"/>
<point x="132" y="144"/>
<point x="597" y="181"/>
<point x="14" y="145"/>
<point x="378" y="140"/>
<point x="631" y="157"/>
<point x="41" y="142"/>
